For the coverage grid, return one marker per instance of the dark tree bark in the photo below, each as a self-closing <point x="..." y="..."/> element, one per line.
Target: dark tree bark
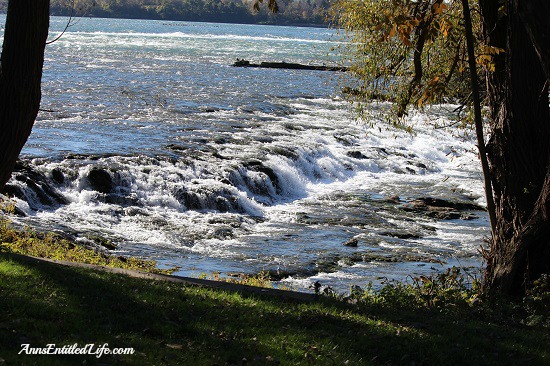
<point x="25" y="36"/>
<point x="518" y="151"/>
<point x="535" y="13"/>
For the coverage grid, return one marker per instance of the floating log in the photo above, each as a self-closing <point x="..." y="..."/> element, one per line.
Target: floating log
<point x="288" y="65"/>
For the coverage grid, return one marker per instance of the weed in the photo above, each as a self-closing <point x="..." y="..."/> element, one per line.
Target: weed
<point x="261" y="279"/>
<point x="537" y="302"/>
<point x="52" y="246"/>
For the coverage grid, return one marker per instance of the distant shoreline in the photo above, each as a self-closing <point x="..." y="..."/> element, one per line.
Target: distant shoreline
<point x="293" y="13"/>
<point x="245" y="19"/>
<point x="302" y="25"/>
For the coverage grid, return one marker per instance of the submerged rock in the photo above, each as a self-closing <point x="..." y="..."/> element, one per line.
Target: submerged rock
<point x="102" y="241"/>
<point x="220" y="199"/>
<point x="401" y="234"/>
<point x="57" y="176"/>
<point x="136" y="211"/>
<point x="356" y="155"/>
<point x="284" y="151"/>
<point x="345" y="139"/>
<point x="393" y="199"/>
<point x="100" y="180"/>
<point x="259" y="167"/>
<point x="190" y="199"/>
<point x="34" y="187"/>
<point x="223" y="233"/>
<point x="438" y="202"/>
<point x="112" y="186"/>
<point x="390" y="258"/>
<point x="441" y="209"/>
<point x="176" y="148"/>
<point x="351" y="243"/>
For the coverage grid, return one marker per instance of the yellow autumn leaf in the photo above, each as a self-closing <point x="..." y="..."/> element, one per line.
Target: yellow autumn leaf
<point x="439" y="8"/>
<point x="392" y="33"/>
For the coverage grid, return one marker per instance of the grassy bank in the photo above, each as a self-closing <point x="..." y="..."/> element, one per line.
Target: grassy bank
<point x="52" y="246"/>
<point x="435" y="321"/>
<point x="169" y="324"/>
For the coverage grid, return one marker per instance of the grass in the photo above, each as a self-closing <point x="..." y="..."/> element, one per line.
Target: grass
<point x="170" y="324"/>
<point x="49" y="245"/>
<point x="430" y="322"/>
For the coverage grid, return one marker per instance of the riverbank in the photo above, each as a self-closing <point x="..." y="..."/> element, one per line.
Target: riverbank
<point x="312" y="14"/>
<point x="169" y="322"/>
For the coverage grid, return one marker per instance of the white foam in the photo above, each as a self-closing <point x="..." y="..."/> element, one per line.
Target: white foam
<point x="299" y="176"/>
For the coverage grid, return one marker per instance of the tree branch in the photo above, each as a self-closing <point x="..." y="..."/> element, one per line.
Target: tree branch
<point x="477" y="115"/>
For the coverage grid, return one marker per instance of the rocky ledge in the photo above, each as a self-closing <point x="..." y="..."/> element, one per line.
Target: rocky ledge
<point x="442" y="209"/>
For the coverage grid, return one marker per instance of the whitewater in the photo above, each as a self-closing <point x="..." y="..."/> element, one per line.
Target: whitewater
<point x="150" y="139"/>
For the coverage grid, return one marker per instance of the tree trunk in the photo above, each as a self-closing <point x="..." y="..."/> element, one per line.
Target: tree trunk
<point x="25" y="36"/>
<point x="534" y="14"/>
<point x="519" y="153"/>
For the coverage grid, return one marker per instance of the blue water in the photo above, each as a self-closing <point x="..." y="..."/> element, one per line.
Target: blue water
<point x="111" y="80"/>
<point x="217" y="168"/>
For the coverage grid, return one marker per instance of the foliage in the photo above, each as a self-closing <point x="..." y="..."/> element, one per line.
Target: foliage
<point x="537" y="302"/>
<point x="51" y="246"/>
<point x="451" y="291"/>
<point x="262" y="279"/>
<point x="446" y="291"/>
<point x="454" y="292"/>
<point x="409" y="52"/>
<point x="299" y="12"/>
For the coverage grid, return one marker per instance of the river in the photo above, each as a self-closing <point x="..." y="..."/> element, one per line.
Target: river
<point x="149" y="138"/>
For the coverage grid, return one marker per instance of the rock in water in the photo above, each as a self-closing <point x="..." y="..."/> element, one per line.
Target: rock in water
<point x="441" y="209"/>
<point x="100" y="180"/>
<point x="351" y="243"/>
<point x="34" y="187"/>
<point x="356" y="155"/>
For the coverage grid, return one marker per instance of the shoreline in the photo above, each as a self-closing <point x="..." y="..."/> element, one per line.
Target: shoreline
<point x="186" y="281"/>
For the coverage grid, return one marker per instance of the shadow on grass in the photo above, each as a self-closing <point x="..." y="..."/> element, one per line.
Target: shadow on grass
<point x="169" y="324"/>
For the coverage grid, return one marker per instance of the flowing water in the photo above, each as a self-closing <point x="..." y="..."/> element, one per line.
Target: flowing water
<point x="149" y="138"/>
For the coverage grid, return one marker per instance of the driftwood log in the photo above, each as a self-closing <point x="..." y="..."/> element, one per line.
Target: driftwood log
<point x="288" y="65"/>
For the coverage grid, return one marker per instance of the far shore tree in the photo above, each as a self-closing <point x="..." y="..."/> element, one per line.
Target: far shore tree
<point x="415" y="53"/>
